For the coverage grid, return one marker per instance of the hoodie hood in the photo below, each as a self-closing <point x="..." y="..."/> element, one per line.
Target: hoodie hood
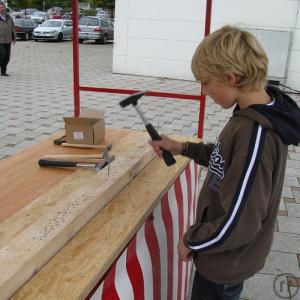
<point x="283" y="116"/>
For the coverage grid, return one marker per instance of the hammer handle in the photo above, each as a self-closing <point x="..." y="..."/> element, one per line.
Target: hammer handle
<point x="75" y="158"/>
<point x="65" y="163"/>
<point x="167" y="155"/>
<point x="101" y="147"/>
<point x="54" y="163"/>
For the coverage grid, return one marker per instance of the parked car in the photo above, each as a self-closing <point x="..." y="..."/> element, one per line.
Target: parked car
<point x="9" y="10"/>
<point x="55" y="13"/>
<point x="24" y="28"/>
<point x="39" y="17"/>
<point x="69" y="16"/>
<point x="18" y="15"/>
<point x="54" y="30"/>
<point x="94" y="28"/>
<point x="28" y="12"/>
<point x="102" y="14"/>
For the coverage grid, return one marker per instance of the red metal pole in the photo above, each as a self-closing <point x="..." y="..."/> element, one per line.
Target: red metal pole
<point x="148" y="93"/>
<point x="203" y="97"/>
<point x="76" y="59"/>
<point x="208" y="17"/>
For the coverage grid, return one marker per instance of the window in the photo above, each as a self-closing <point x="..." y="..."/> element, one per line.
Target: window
<point x="68" y="23"/>
<point x="87" y="21"/>
<point x="103" y="23"/>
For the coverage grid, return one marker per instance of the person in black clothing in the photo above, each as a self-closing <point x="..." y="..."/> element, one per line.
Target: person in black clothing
<point x="7" y="37"/>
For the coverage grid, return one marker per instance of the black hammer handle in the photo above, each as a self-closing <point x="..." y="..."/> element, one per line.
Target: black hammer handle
<point x="53" y="163"/>
<point x="167" y="155"/>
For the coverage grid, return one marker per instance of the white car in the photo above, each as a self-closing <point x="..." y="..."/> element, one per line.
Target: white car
<point x="54" y="30"/>
<point x="39" y="17"/>
<point x="102" y="14"/>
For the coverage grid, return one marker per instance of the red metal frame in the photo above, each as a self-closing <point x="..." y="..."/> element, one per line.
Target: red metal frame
<point x="78" y="88"/>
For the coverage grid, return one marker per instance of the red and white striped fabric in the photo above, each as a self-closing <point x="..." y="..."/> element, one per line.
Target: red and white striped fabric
<point x="149" y="268"/>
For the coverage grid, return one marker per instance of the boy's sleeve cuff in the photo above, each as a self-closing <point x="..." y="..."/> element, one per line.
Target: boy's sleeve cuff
<point x="185" y="146"/>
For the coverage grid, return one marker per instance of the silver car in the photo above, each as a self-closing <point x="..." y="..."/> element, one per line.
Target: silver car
<point x="54" y="30"/>
<point x="39" y="17"/>
<point x="94" y="28"/>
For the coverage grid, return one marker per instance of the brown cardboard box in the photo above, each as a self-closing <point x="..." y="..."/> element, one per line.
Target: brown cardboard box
<point x="89" y="128"/>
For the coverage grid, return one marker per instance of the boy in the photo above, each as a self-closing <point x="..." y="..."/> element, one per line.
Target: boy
<point x="238" y="203"/>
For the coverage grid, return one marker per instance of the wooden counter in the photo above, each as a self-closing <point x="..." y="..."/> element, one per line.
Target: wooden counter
<point x="75" y="269"/>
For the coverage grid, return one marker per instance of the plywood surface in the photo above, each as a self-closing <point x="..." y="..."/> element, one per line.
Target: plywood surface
<point x="74" y="271"/>
<point x="26" y="236"/>
<point x="22" y="180"/>
<point x="26" y="252"/>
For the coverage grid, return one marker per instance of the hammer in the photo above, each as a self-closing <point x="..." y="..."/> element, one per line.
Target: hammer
<point x="132" y="99"/>
<point x="73" y="164"/>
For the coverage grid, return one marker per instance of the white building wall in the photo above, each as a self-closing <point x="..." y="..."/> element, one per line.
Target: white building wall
<point x="158" y="38"/>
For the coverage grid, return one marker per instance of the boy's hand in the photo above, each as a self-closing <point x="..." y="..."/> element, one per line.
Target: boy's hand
<point x="184" y="253"/>
<point x="167" y="144"/>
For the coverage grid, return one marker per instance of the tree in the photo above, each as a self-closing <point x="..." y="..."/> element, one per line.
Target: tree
<point x="109" y="4"/>
<point x="18" y="4"/>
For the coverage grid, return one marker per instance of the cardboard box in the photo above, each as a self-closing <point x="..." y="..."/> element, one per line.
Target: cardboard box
<point x="89" y="128"/>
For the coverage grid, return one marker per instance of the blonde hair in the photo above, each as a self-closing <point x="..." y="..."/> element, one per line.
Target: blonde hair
<point x="235" y="50"/>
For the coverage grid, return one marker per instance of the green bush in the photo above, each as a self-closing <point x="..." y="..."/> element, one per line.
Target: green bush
<point x="90" y="12"/>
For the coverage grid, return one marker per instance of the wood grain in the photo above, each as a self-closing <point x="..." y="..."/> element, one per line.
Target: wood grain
<point x="74" y="271"/>
<point x="22" y="180"/>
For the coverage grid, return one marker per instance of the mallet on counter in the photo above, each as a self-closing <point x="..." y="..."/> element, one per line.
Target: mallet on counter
<point x="132" y="100"/>
<point x="66" y="163"/>
<point x="88" y="158"/>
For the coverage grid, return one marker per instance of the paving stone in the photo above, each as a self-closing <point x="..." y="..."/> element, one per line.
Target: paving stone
<point x="12" y="130"/>
<point x="288" y="224"/>
<point x="282" y="206"/>
<point x="294" y="164"/>
<point x="292" y="172"/>
<point x="281" y="262"/>
<point x="260" y="287"/>
<point x="295" y="292"/>
<point x="289" y="200"/>
<point x="286" y="242"/>
<point x="293" y="210"/>
<point x="296" y="196"/>
<point x="287" y="192"/>
<point x="291" y="181"/>
<point x="295" y="156"/>
<point x="4" y="151"/>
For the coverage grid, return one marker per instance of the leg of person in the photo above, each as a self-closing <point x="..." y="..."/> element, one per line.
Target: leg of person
<point x="203" y="289"/>
<point x="229" y="292"/>
<point x="7" y="48"/>
<point x="2" y="54"/>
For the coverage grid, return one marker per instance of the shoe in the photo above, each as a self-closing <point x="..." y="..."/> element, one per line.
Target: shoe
<point x="4" y="74"/>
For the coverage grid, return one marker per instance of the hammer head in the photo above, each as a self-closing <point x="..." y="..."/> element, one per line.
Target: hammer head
<point x="132" y="99"/>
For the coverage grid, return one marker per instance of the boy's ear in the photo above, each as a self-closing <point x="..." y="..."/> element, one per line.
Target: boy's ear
<point x="231" y="78"/>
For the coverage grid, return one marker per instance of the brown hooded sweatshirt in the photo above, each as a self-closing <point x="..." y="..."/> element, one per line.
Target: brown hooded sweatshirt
<point x="238" y="204"/>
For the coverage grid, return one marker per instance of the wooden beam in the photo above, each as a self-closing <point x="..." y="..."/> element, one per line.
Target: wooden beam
<point x="21" y="176"/>
<point x="25" y="253"/>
